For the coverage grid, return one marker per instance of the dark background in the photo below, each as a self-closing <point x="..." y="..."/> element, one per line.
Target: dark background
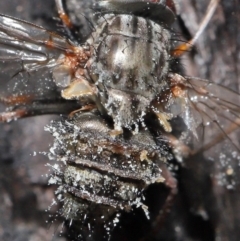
<point x="24" y="193"/>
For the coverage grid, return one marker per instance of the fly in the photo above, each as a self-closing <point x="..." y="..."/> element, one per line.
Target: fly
<point x="130" y="117"/>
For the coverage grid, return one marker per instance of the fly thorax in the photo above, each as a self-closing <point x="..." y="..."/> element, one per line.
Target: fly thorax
<point x="130" y="55"/>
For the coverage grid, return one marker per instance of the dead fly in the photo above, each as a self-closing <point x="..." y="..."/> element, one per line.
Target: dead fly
<point x="131" y="116"/>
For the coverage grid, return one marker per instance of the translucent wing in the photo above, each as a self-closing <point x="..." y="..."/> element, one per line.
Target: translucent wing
<point x="210" y="111"/>
<point x="218" y="109"/>
<point x="28" y="54"/>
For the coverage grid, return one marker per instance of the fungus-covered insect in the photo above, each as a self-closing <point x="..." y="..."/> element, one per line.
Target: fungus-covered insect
<point x="131" y="116"/>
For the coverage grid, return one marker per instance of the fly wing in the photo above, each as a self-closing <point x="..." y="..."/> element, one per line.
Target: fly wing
<point x="32" y="44"/>
<point x="28" y="54"/>
<point x="211" y="112"/>
<point x="216" y="112"/>
<point x="208" y="117"/>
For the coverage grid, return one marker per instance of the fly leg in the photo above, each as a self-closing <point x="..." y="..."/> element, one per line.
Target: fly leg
<point x="171" y="183"/>
<point x="66" y="21"/>
<point x="177" y="90"/>
<point x="183" y="48"/>
<point x="12" y="101"/>
<point x="28" y="105"/>
<point x="12" y="115"/>
<point x="84" y="108"/>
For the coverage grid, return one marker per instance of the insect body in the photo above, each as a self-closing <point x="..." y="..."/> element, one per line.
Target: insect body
<point x="128" y="63"/>
<point x="123" y="98"/>
<point x="131" y="64"/>
<point x="104" y="175"/>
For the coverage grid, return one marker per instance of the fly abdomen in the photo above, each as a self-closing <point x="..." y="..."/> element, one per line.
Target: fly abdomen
<point x="101" y="171"/>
